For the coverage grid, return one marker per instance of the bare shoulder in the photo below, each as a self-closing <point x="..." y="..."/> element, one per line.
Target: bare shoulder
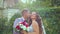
<point x="34" y="23"/>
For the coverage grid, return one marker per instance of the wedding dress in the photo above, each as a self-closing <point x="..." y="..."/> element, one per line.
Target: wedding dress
<point x="31" y="29"/>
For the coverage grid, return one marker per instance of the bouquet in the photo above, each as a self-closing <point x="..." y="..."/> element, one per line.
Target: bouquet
<point x="22" y="26"/>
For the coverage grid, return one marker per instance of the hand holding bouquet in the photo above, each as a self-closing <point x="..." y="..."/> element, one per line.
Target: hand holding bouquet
<point x="22" y="26"/>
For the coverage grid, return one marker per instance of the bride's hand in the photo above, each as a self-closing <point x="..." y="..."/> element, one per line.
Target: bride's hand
<point x="24" y="32"/>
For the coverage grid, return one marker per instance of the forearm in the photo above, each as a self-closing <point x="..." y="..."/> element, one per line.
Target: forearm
<point x="33" y="33"/>
<point x="30" y="32"/>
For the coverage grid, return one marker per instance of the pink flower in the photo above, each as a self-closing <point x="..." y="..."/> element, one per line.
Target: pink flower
<point x="17" y="27"/>
<point x="22" y="23"/>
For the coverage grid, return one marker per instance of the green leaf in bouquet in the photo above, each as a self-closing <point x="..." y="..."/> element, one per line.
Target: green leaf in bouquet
<point x="24" y="28"/>
<point x="28" y="29"/>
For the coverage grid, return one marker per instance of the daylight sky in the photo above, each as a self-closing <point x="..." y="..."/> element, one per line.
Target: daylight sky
<point x="24" y="1"/>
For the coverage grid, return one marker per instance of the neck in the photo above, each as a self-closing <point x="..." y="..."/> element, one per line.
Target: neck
<point x="24" y="17"/>
<point x="33" y="20"/>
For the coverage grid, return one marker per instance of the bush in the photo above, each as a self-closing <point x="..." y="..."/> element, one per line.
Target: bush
<point x="3" y="27"/>
<point x="50" y="17"/>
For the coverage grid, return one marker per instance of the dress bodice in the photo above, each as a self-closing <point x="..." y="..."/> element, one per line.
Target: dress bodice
<point x="30" y="28"/>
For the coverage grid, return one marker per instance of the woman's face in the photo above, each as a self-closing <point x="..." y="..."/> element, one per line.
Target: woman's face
<point x="33" y="15"/>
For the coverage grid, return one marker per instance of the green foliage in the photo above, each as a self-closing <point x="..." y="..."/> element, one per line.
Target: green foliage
<point x="50" y="17"/>
<point x="51" y="21"/>
<point x="7" y="27"/>
<point x="3" y="26"/>
<point x="49" y="10"/>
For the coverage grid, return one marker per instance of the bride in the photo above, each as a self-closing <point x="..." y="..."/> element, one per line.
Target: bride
<point x="35" y="24"/>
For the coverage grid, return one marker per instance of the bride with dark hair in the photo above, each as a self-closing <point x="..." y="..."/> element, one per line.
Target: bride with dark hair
<point x="35" y="21"/>
<point x="35" y="24"/>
